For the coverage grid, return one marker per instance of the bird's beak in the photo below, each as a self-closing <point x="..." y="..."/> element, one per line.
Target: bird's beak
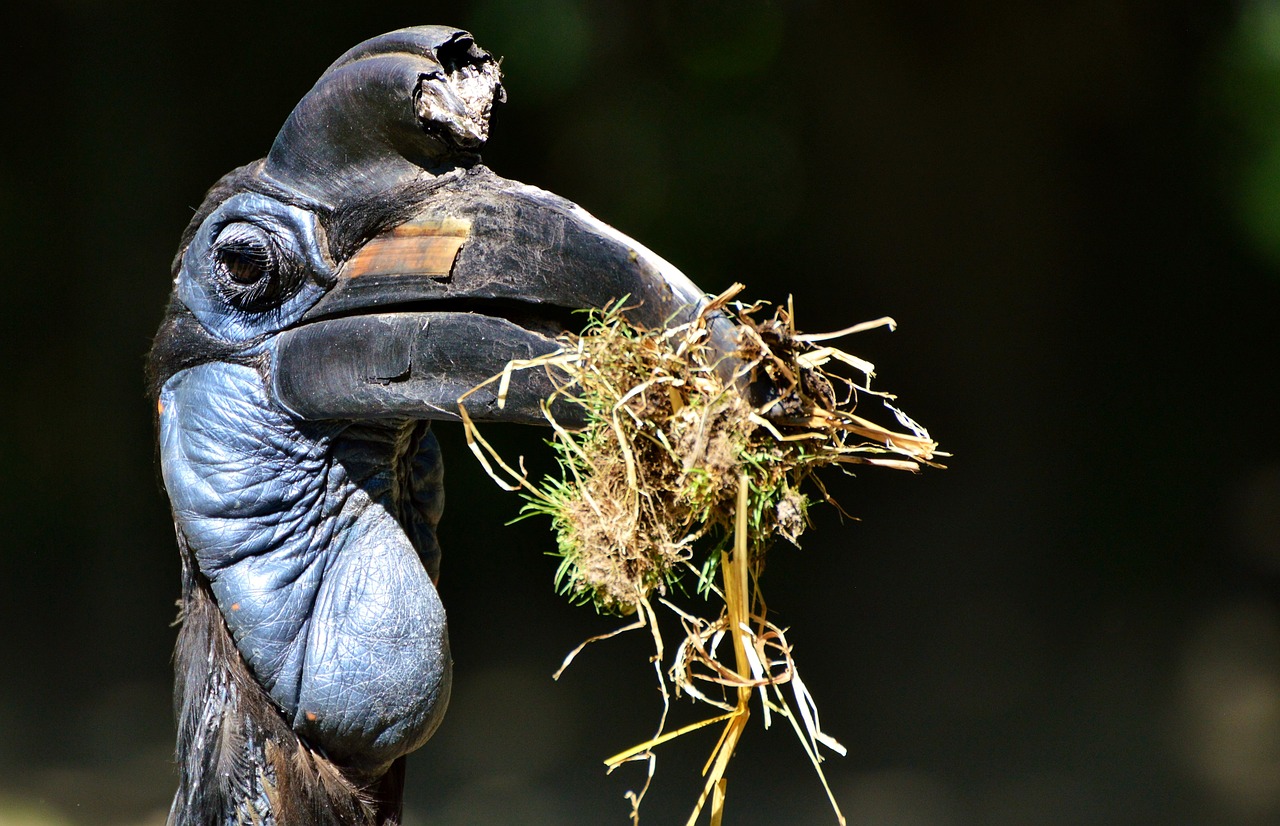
<point x="489" y="271"/>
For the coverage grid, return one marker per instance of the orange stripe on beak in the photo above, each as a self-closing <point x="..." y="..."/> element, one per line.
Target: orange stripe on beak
<point x="421" y="247"/>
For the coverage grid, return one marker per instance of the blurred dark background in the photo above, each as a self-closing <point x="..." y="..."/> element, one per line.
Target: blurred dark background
<point x="1072" y="209"/>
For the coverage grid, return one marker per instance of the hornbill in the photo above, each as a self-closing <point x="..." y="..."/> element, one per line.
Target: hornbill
<point x="329" y="301"/>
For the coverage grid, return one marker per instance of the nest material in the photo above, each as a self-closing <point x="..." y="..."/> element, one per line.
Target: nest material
<point x="677" y="470"/>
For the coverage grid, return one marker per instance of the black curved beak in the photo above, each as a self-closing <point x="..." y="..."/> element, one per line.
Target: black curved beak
<point x="491" y="270"/>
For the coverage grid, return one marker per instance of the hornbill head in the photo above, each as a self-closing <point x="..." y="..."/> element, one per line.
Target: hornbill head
<point x="328" y="301"/>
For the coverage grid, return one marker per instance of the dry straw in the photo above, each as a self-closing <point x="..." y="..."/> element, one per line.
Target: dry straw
<point x="682" y="467"/>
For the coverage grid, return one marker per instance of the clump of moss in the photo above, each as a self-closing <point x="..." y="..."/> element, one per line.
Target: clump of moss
<point x="670" y="427"/>
<point x="647" y="476"/>
<point x="696" y="456"/>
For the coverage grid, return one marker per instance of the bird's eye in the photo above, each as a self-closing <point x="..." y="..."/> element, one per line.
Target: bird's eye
<point x="243" y="254"/>
<point x="250" y="267"/>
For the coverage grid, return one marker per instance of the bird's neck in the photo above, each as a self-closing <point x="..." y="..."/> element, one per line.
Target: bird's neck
<point x="238" y="761"/>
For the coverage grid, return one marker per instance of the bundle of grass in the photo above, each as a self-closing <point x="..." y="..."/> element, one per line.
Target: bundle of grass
<point x="682" y="469"/>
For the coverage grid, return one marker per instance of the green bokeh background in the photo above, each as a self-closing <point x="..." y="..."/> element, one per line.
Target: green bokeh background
<point x="1072" y="209"/>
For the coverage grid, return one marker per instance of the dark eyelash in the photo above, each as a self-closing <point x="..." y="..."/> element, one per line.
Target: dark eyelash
<point x="248" y="268"/>
<point x="246" y="262"/>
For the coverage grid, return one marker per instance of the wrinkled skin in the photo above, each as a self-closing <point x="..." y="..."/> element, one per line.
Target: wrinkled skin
<point x="318" y="541"/>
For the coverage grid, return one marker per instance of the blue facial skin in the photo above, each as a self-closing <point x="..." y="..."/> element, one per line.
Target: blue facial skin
<point x="289" y="235"/>
<point x="317" y="538"/>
